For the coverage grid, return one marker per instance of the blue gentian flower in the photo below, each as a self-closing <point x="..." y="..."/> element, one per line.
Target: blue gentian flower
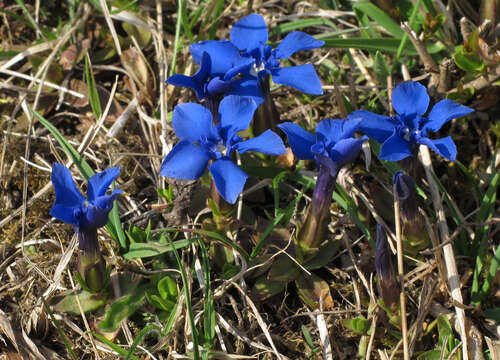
<point x="73" y="208"/>
<point x="331" y="147"/>
<point x="401" y="133"/>
<point x="86" y="215"/>
<point x="250" y="36"/>
<point x="203" y="141"/>
<point x="215" y="77"/>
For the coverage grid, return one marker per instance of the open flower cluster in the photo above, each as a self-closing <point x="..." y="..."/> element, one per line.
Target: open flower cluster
<point x="239" y="66"/>
<point x="232" y="82"/>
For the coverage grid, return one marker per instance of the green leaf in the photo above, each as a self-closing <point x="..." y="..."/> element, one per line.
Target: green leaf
<point x="382" y="44"/>
<point x="283" y="269"/>
<point x="88" y="301"/>
<point x="326" y="252"/>
<point x="380" y="17"/>
<point x="167" y="288"/>
<point x="141" y="250"/>
<point x="299" y="24"/>
<point x="380" y="68"/>
<point x="264" y="289"/>
<point x="469" y="62"/>
<point x="359" y="324"/>
<point x="121" y="309"/>
<point x="307" y="337"/>
<point x="95" y="102"/>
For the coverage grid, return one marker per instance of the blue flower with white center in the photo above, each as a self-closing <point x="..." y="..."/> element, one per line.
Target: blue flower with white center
<point x="250" y="35"/>
<point x="401" y="133"/>
<point x="203" y="141"/>
<point x="332" y="146"/>
<point x="215" y="76"/>
<point x="73" y="208"/>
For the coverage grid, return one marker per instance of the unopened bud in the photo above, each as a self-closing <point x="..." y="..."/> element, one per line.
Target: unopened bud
<point x="387" y="284"/>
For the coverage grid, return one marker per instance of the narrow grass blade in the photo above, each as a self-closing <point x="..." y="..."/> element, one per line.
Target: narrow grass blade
<point x="380" y="17"/>
<point x="148" y="329"/>
<point x="177" y="39"/>
<point x="265" y="234"/>
<point x="300" y="24"/>
<point x="194" y="332"/>
<point x="119" y="350"/>
<point x="95" y="102"/>
<point x="384" y="44"/>
<point x="224" y="240"/>
<point x="60" y="330"/>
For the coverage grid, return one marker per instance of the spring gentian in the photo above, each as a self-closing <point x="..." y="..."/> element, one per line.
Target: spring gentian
<point x="215" y="77"/>
<point x="203" y="141"/>
<point x="86" y="215"/>
<point x="401" y="133"/>
<point x="332" y="146"/>
<point x="387" y="284"/>
<point x="250" y="37"/>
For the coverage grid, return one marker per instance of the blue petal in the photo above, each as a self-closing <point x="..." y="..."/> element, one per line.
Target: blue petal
<point x="72" y="215"/>
<point x="335" y="129"/>
<point x="410" y="98"/>
<point x="192" y="122"/>
<point x="98" y="211"/>
<point x="247" y="87"/>
<point x="229" y="179"/>
<point x="250" y="32"/>
<point x="189" y="82"/>
<point x="99" y="183"/>
<point x="241" y="65"/>
<point x="296" y="41"/>
<point x="222" y="55"/>
<point x="235" y="113"/>
<point x="346" y="150"/>
<point x="266" y="143"/>
<point x="217" y="86"/>
<point x="302" y="77"/>
<point x="197" y="81"/>
<point x="299" y="140"/>
<point x="67" y="194"/>
<point x="444" y="147"/>
<point x="185" y="161"/>
<point x="444" y="111"/>
<point x="395" y="148"/>
<point x="378" y="127"/>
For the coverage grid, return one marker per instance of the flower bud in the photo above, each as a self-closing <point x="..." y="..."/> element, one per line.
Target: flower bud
<point x="315" y="226"/>
<point x="387" y="284"/>
<point x="414" y="234"/>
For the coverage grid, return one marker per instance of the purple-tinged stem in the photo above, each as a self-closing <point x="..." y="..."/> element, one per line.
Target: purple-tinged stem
<point x="315" y="226"/>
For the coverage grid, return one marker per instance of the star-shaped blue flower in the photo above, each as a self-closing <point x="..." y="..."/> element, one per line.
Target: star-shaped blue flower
<point x="216" y="74"/>
<point x="401" y="133"/>
<point x="332" y="146"/>
<point x="202" y="142"/>
<point x="85" y="214"/>
<point x="250" y="36"/>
